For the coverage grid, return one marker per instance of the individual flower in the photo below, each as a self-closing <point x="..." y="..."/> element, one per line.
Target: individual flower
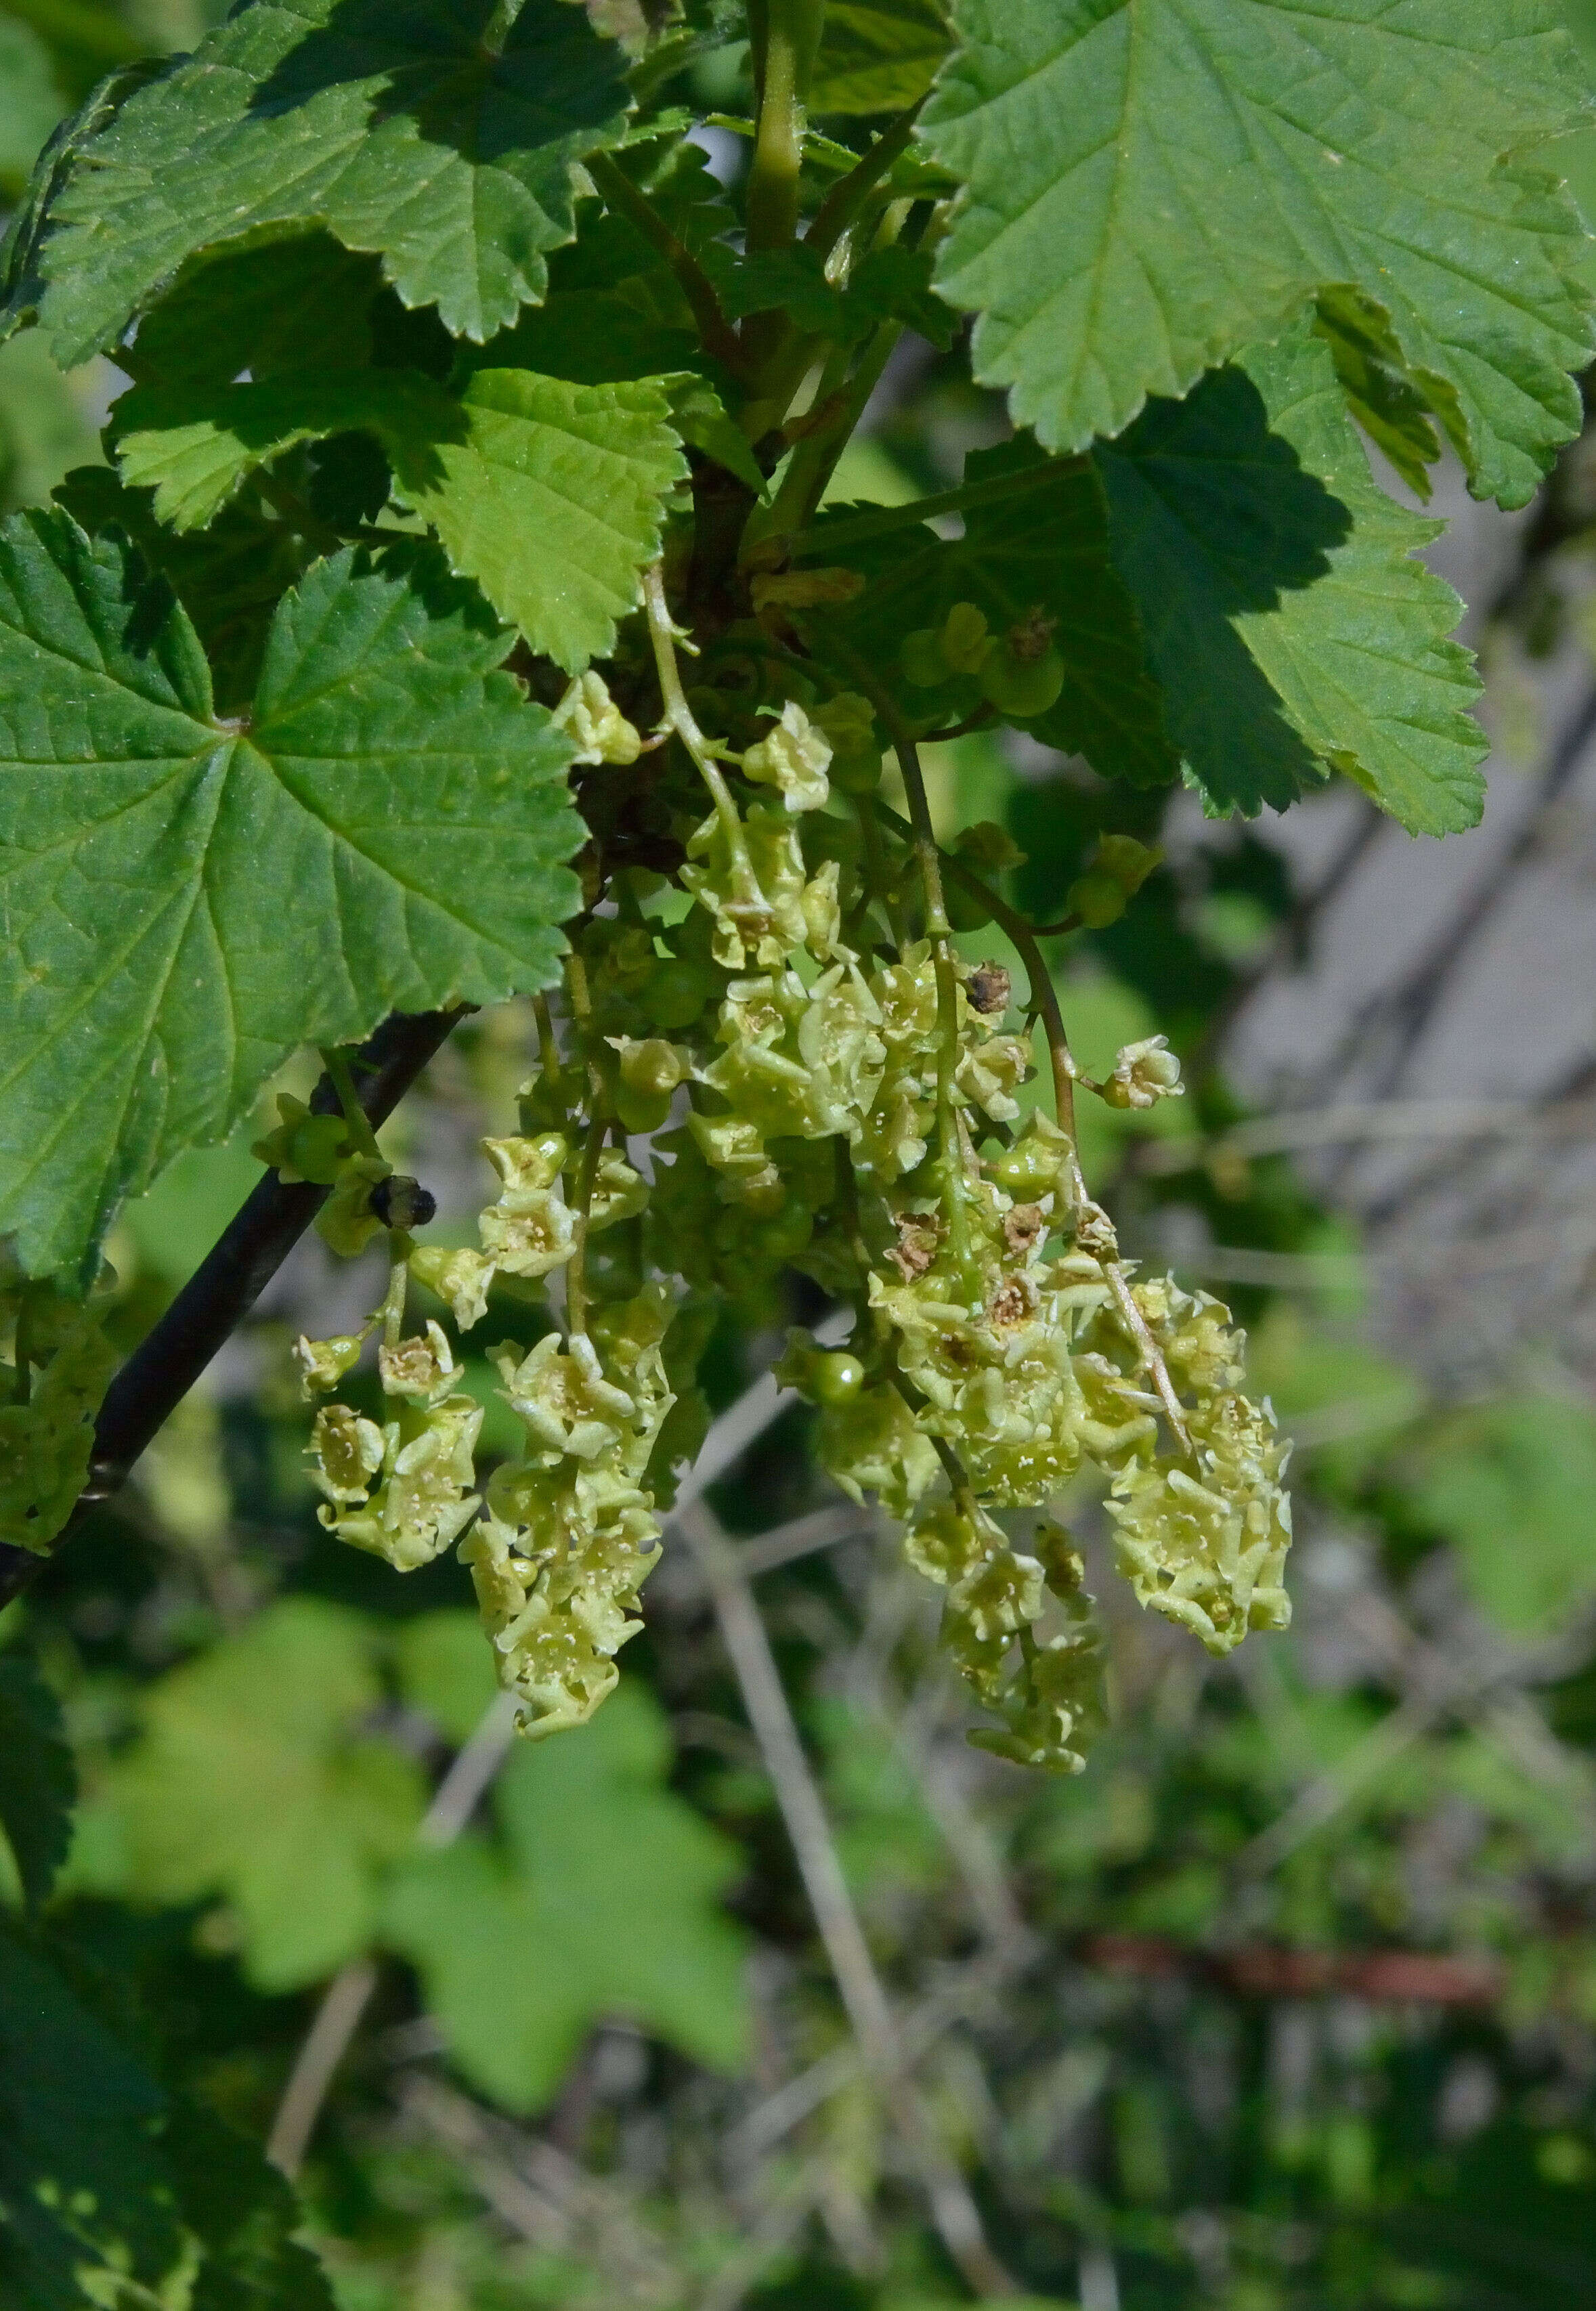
<point x="1143" y="1074"/>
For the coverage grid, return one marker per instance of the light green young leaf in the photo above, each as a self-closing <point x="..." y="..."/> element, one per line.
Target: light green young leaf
<point x="409" y="128"/>
<point x="186" y="898"/>
<point x="549" y="495"/>
<point x="878" y="56"/>
<point x="1154" y="184"/>
<point x="1292" y="627"/>
<point x="602" y="1900"/>
<point x="254" y="1781"/>
<point x="553" y="501"/>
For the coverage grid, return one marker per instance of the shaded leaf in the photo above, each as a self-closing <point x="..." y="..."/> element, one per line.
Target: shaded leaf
<point x="303" y="113"/>
<point x="1292" y="628"/>
<point x="1388" y="408"/>
<point x="253" y="1781"/>
<point x="1153" y="186"/>
<point x="108" y="2184"/>
<point x="604" y="1890"/>
<point x="299" y="304"/>
<point x="1045" y="547"/>
<point x="878" y="56"/>
<point x="38" y="1779"/>
<point x="197" y="897"/>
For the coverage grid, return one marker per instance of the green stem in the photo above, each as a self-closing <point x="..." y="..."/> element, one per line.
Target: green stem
<point x="790" y="39"/>
<point x="809" y="545"/>
<point x="349" y="1100"/>
<point x="681" y="719"/>
<point x="576" y="1272"/>
<point x="929" y="860"/>
<point x="391" y="1315"/>
<point x="843" y="203"/>
<point x="715" y="332"/>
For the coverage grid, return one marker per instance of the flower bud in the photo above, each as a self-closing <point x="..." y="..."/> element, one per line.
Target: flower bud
<point x="323" y="1363"/>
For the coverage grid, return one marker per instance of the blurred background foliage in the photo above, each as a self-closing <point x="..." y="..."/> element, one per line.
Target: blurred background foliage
<point x="1289" y="2001"/>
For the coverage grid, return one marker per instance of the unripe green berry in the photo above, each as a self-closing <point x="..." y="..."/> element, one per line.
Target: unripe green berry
<point x="857" y="773"/>
<point x="674" y="994"/>
<point x="835" y="1379"/>
<point x="1026" y="1171"/>
<point x="920" y="654"/>
<point x="966" y="911"/>
<point x="654" y="1065"/>
<point x="965" y="638"/>
<point x="1098" y="899"/>
<point x="1019" y="685"/>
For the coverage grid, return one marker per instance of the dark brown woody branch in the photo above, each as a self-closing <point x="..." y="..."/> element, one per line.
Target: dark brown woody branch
<point x="226" y="1284"/>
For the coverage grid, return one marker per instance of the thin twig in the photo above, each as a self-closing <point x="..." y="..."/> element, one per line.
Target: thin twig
<point x="226" y="1284"/>
<point x="953" y="2209"/>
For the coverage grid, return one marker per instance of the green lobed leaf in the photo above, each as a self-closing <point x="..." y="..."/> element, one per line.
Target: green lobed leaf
<point x="253" y="1781"/>
<point x="601" y="1900"/>
<point x="878" y="56"/>
<point x="553" y="500"/>
<point x="185" y="898"/>
<point x="1290" y="624"/>
<point x="1388" y="408"/>
<point x="37" y="1780"/>
<point x="1154" y="184"/>
<point x="549" y="495"/>
<point x="1045" y="547"/>
<point x="411" y="128"/>
<point x="80" y="2174"/>
<point x="229" y="577"/>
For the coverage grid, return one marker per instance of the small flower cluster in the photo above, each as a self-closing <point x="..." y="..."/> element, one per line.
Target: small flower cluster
<point x="827" y="1086"/>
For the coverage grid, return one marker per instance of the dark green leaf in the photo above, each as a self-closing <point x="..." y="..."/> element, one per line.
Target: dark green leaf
<point x="1292" y="628"/>
<point x="303" y="113"/>
<point x="1154" y="184"/>
<point x="111" y="2192"/>
<point x="290" y="305"/>
<point x="1388" y="408"/>
<point x="878" y="56"/>
<point x="229" y="577"/>
<point x="38" y="1779"/>
<point x="195" y="897"/>
<point x="82" y="2184"/>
